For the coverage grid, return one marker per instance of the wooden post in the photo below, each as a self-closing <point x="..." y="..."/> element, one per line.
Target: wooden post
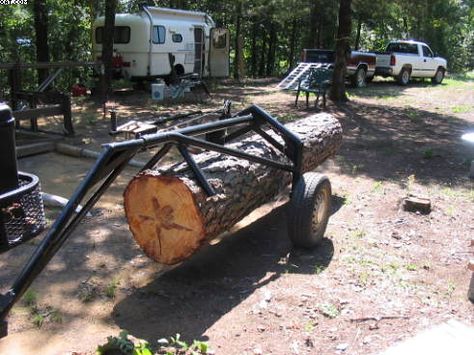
<point x="66" y="107"/>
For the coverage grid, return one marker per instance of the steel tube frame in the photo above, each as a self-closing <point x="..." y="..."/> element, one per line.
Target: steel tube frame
<point x="114" y="159"/>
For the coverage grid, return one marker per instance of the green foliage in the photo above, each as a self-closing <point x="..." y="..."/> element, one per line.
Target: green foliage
<point x="328" y="310"/>
<point x="123" y="345"/>
<point x="30" y="298"/>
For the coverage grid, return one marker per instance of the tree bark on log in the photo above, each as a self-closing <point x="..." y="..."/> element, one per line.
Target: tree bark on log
<point x="169" y="214"/>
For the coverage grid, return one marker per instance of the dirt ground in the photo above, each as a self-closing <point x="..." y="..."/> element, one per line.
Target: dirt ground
<point x="380" y="275"/>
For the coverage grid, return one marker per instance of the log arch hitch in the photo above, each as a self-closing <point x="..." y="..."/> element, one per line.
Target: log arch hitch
<point x="115" y="157"/>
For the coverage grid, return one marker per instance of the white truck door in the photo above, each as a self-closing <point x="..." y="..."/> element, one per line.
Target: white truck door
<point x="219" y="53"/>
<point x="429" y="63"/>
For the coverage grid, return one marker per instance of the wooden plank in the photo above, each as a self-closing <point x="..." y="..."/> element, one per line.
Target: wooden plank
<point x="38" y="112"/>
<point x="34" y="149"/>
<point x="46" y="65"/>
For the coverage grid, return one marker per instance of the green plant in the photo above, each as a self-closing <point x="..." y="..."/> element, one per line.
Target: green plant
<point x="38" y="319"/>
<point x="411" y="267"/>
<point x="319" y="269"/>
<point x="30" y="298"/>
<point x="428" y="154"/>
<point x="111" y="288"/>
<point x="309" y="326"/>
<point x="123" y="345"/>
<point x="55" y="316"/>
<point x="378" y="186"/>
<point x="328" y="310"/>
<point x="358" y="233"/>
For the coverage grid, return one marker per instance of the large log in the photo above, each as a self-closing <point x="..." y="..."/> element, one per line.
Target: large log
<point x="170" y="216"/>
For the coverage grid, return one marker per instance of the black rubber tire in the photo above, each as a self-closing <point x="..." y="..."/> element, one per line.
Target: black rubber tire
<point x="404" y="77"/>
<point x="359" y="79"/>
<point x="311" y="199"/>
<point x="438" y="78"/>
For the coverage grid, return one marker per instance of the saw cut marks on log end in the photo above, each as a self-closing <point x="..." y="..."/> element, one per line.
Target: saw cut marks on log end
<point x="166" y="234"/>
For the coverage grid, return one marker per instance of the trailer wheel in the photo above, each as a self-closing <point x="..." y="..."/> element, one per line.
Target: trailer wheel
<point x="309" y="210"/>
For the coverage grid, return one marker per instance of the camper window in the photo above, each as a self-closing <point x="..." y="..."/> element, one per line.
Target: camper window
<point x="176" y="37"/>
<point x="219" y="40"/>
<point x="121" y="34"/>
<point x="159" y="34"/>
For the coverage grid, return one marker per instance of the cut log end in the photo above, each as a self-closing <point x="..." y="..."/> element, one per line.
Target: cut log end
<point x="165" y="233"/>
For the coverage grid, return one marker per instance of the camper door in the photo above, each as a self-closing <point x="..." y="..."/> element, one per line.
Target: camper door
<point x="219" y="53"/>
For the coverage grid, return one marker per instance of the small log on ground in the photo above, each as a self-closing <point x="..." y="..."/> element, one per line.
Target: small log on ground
<point x="170" y="216"/>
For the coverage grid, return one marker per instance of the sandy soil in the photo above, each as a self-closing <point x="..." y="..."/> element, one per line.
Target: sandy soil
<point x="381" y="274"/>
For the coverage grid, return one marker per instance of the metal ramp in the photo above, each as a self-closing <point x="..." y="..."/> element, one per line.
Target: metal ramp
<point x="300" y="72"/>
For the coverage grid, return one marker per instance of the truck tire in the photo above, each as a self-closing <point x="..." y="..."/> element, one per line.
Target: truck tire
<point x="309" y="210"/>
<point x="358" y="80"/>
<point x="439" y="76"/>
<point x="404" y="77"/>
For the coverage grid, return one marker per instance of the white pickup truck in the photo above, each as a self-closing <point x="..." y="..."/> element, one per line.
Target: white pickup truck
<point x="409" y="59"/>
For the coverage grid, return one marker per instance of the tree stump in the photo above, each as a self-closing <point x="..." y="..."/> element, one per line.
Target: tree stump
<point x="170" y="216"/>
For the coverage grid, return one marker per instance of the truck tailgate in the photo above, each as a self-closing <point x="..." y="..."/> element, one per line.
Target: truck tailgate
<point x="383" y="60"/>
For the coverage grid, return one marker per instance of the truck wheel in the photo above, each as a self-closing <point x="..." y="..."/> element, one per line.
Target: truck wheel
<point x="359" y="78"/>
<point x="404" y="77"/>
<point x="439" y="76"/>
<point x="309" y="210"/>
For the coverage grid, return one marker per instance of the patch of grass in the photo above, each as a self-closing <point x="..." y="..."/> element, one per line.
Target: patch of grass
<point x="462" y="108"/>
<point x="56" y="316"/>
<point x="38" y="320"/>
<point x="30" y="298"/>
<point x="377" y="186"/>
<point x="356" y="167"/>
<point x="363" y="278"/>
<point x="319" y="269"/>
<point x="358" y="234"/>
<point x="328" y="310"/>
<point x="390" y="268"/>
<point x="90" y="118"/>
<point x="451" y="288"/>
<point x="309" y="327"/>
<point x="413" y="115"/>
<point x="411" y="267"/>
<point x="428" y="153"/>
<point x="111" y="288"/>
<point x="287" y="117"/>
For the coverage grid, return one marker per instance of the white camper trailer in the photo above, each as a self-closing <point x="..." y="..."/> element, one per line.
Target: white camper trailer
<point x="146" y="43"/>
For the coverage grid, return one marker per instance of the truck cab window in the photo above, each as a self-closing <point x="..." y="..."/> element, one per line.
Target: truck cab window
<point x="121" y="34"/>
<point x="427" y="52"/>
<point x="159" y="34"/>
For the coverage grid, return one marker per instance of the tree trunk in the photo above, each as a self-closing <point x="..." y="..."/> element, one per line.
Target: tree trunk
<point x="261" y="67"/>
<point x="41" y="32"/>
<point x="359" y="28"/>
<point x="254" y="57"/>
<point x="291" y="56"/>
<point x="170" y="216"/>
<point x="238" y="40"/>
<point x="271" y="50"/>
<point x="338" y="88"/>
<point x="108" y="48"/>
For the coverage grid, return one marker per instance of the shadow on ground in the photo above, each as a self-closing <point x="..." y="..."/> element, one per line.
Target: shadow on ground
<point x="391" y="143"/>
<point x="195" y="295"/>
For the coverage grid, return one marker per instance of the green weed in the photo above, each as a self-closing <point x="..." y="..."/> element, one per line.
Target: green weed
<point x="462" y="108"/>
<point x="38" y="320"/>
<point x="378" y="186"/>
<point x="111" y="288"/>
<point x="428" y="154"/>
<point x="411" y="267"/>
<point x="30" y="298"/>
<point x="328" y="310"/>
